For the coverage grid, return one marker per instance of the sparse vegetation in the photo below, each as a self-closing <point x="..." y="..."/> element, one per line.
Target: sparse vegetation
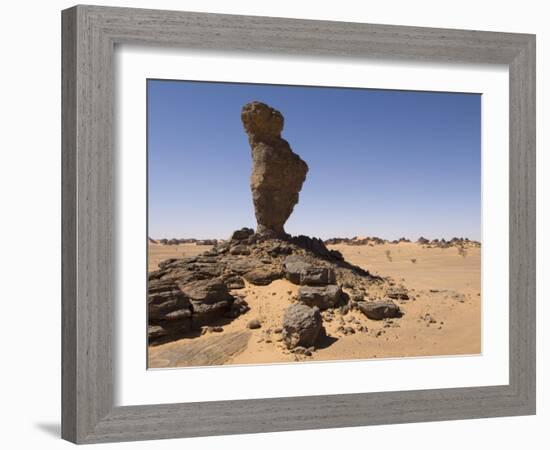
<point x="413" y="260"/>
<point x="388" y="255"/>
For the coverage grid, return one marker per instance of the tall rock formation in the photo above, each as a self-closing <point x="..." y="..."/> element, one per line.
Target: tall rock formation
<point x="277" y="172"/>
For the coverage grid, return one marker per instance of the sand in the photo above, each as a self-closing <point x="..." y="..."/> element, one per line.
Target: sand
<point x="443" y="319"/>
<point x="160" y="252"/>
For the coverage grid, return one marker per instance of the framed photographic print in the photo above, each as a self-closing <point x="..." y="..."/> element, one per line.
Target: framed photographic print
<point x="279" y="224"/>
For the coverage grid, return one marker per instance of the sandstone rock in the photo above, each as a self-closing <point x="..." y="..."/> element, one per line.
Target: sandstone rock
<point x="398" y="293"/>
<point x="241" y="266"/>
<point x="242" y="234"/>
<point x="294" y="265"/>
<point x="379" y="310"/>
<point x="239" y="249"/>
<point x="155" y="332"/>
<point x="163" y="298"/>
<point x="300" y="270"/>
<point x="210" y="300"/>
<point x="314" y="276"/>
<point x="233" y="281"/>
<point x="321" y="296"/>
<point x="206" y="290"/>
<point x="301" y="326"/>
<point x="210" y="350"/>
<point x="277" y="173"/>
<point x="263" y="276"/>
<point x="279" y="250"/>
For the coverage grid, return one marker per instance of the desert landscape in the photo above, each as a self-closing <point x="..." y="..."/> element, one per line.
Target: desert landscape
<point x="263" y="296"/>
<point x="441" y="311"/>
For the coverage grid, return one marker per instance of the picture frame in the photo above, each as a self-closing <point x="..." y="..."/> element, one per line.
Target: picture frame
<point x="89" y="37"/>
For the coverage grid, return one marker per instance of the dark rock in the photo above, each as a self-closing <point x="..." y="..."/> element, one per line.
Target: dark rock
<point x="321" y="296"/>
<point x="241" y="266"/>
<point x="242" y="234"/>
<point x="316" y="276"/>
<point x="379" y="310"/>
<point x="264" y="275"/>
<point x="279" y="250"/>
<point x="398" y="294"/>
<point x="314" y="245"/>
<point x="233" y="282"/>
<point x="206" y="290"/>
<point x="167" y="262"/>
<point x="239" y="249"/>
<point x="163" y="298"/>
<point x="239" y="306"/>
<point x="155" y="332"/>
<point x="179" y="314"/>
<point x="301" y="326"/>
<point x="277" y="173"/>
<point x="254" y="324"/>
<point x="210" y="300"/>
<point x="294" y="265"/>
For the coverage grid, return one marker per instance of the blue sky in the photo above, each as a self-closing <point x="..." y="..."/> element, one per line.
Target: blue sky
<point x="381" y="163"/>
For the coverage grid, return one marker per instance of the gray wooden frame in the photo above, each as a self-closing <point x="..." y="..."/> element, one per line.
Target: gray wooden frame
<point x="89" y="37"/>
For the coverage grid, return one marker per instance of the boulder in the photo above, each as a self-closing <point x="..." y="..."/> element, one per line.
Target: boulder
<point x="294" y="265"/>
<point x="277" y="172"/>
<point x="379" y="310"/>
<point x="301" y="326"/>
<point x="399" y="293"/>
<point x="209" y="290"/>
<point x="233" y="281"/>
<point x="323" y="297"/>
<point x="300" y="270"/>
<point x="254" y="324"/>
<point x="316" y="276"/>
<point x="210" y="300"/>
<point x="164" y="298"/>
<point x="262" y="276"/>
<point x="242" y="234"/>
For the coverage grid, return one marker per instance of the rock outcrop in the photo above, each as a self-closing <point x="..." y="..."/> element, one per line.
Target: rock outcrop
<point x="277" y="172"/>
<point x="189" y="296"/>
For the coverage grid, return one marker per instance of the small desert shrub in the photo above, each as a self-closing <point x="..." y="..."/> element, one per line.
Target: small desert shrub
<point x="413" y="260"/>
<point x="388" y="255"/>
<point x="462" y="251"/>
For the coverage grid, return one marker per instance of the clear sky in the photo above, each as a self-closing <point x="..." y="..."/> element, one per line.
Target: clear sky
<point x="381" y="163"/>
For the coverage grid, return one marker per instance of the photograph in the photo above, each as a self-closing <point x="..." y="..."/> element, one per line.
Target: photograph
<point x="295" y="224"/>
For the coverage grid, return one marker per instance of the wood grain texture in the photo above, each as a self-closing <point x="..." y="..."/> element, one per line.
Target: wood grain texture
<point x="89" y="203"/>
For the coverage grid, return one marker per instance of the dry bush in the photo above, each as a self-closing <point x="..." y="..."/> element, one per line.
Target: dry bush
<point x="413" y="260"/>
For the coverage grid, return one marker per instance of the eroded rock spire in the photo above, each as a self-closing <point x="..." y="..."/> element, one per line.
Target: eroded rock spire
<point x="277" y="172"/>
